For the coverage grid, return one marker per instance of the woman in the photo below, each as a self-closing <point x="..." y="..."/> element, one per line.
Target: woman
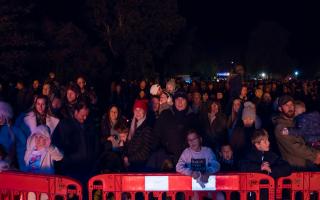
<point x="140" y="138"/>
<point x="110" y="120"/>
<point x="215" y="125"/>
<point x="40" y="114"/>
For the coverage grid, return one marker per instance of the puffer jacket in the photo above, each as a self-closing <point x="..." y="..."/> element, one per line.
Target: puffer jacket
<point x="293" y="149"/>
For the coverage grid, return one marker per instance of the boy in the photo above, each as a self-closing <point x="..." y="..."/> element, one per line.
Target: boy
<point x="307" y="125"/>
<point x="227" y="161"/>
<point x="261" y="159"/>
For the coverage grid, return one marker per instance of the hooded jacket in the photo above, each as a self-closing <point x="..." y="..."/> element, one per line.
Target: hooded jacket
<point x="31" y="121"/>
<point x="48" y="154"/>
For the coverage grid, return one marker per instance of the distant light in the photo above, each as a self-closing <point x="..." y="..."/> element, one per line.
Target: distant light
<point x="223" y="74"/>
<point x="232" y="62"/>
<point x="263" y="75"/>
<point x="296" y="73"/>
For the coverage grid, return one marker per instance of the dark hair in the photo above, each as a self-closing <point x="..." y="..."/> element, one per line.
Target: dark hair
<point x="214" y="102"/>
<point x="41" y="96"/>
<point x="258" y="135"/>
<point x="122" y="127"/>
<point x="108" y="111"/>
<point x="193" y="131"/>
<point x="80" y="105"/>
<point x="74" y="87"/>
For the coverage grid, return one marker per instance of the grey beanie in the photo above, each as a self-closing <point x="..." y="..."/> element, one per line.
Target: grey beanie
<point x="6" y="110"/>
<point x="249" y="111"/>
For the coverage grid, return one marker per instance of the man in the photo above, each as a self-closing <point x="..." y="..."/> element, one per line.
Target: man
<point x="172" y="126"/>
<point x="293" y="148"/>
<point x="72" y="94"/>
<point x="79" y="142"/>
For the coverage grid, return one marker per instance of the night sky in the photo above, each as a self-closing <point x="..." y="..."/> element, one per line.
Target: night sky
<point x="227" y="25"/>
<point x="263" y="36"/>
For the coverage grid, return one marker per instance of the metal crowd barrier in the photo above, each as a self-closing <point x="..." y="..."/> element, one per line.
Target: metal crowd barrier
<point x="23" y="186"/>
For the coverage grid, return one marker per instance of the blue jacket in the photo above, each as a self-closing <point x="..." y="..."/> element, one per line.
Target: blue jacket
<point x="307" y="126"/>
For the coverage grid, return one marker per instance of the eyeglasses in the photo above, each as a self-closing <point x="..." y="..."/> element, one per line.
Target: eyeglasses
<point x="192" y="139"/>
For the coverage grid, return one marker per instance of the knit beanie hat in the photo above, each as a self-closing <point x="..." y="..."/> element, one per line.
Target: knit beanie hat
<point x="249" y="111"/>
<point x="180" y="93"/>
<point x="140" y="103"/>
<point x="154" y="89"/>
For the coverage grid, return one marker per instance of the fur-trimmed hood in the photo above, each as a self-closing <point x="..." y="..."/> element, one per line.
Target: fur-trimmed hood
<point x="31" y="121"/>
<point x="5" y="110"/>
<point x="39" y="130"/>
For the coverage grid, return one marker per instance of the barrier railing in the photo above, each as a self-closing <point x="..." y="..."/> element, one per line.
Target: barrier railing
<point x="299" y="185"/>
<point x="23" y="186"/>
<point x="146" y="186"/>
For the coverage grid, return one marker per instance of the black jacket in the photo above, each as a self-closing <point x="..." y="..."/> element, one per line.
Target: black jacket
<point x="80" y="145"/>
<point x="138" y="149"/>
<point x="254" y="159"/>
<point x="171" y="130"/>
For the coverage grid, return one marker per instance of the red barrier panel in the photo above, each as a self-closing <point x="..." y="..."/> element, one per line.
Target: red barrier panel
<point x="15" y="185"/>
<point x="303" y="184"/>
<point x="124" y="186"/>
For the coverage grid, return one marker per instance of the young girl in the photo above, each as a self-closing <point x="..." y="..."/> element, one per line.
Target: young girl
<point x="196" y="160"/>
<point x="40" y="154"/>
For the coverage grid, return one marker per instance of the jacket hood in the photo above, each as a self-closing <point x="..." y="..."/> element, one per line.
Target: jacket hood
<point x="39" y="130"/>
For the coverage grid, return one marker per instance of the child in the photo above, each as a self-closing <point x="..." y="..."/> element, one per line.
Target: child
<point x="110" y="161"/>
<point x="40" y="153"/>
<point x="197" y="161"/>
<point x="260" y="159"/>
<point x="227" y="161"/>
<point x="119" y="140"/>
<point x="307" y="125"/>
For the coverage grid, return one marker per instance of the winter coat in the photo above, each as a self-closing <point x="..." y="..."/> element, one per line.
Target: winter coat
<point x="80" y="144"/>
<point x="49" y="153"/>
<point x="31" y="121"/>
<point x="307" y="126"/>
<point x="171" y="130"/>
<point x="215" y="131"/>
<point x="254" y="159"/>
<point x="138" y="149"/>
<point x="293" y="149"/>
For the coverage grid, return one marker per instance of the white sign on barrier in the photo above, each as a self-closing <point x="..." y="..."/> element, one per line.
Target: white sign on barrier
<point x="210" y="185"/>
<point x="156" y="183"/>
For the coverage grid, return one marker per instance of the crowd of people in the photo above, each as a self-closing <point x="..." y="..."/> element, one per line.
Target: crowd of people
<point x="196" y="128"/>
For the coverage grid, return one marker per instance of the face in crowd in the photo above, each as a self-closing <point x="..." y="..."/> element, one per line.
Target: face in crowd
<point x="113" y="113"/>
<point x="71" y="96"/>
<point x="81" y="115"/>
<point x="40" y="105"/>
<point x="288" y="109"/>
<point x="194" y="141"/>
<point x="180" y="103"/>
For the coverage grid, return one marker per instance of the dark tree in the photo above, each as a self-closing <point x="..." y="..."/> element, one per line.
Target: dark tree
<point x="136" y="32"/>
<point x="19" y="46"/>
